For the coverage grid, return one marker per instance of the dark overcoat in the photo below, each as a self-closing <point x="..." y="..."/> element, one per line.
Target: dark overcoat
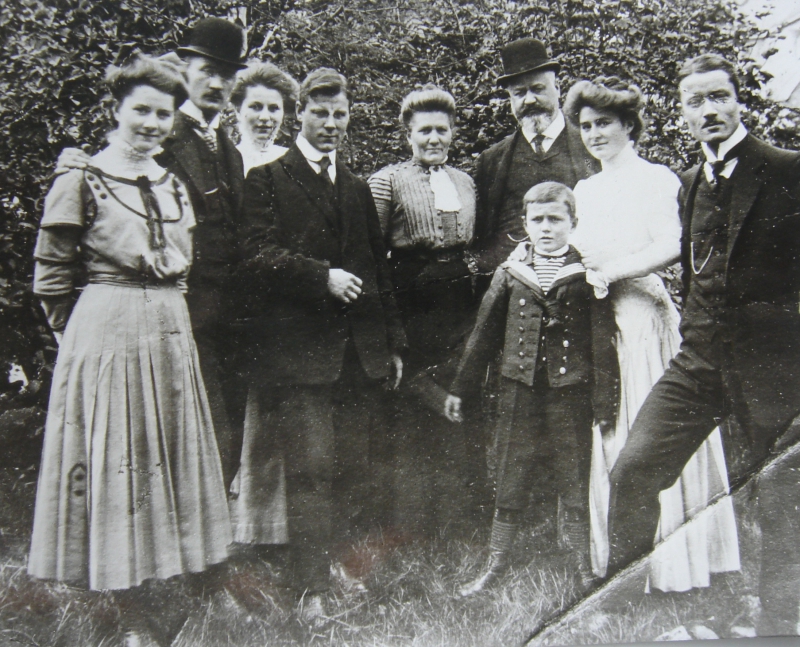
<point x="574" y="329"/>
<point x="763" y="278"/>
<point x="492" y="170"/>
<point x="293" y="234"/>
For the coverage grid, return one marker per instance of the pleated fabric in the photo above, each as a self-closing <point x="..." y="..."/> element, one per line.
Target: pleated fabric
<point x="687" y="552"/>
<point x="258" y="504"/>
<point x="131" y="484"/>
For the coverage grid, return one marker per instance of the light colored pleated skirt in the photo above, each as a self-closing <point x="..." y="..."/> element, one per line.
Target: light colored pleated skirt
<point x="131" y="484"/>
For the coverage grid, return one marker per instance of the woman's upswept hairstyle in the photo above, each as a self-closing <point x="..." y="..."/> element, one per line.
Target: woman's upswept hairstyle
<point x="607" y="93"/>
<point x="141" y="69"/>
<point x="270" y="76"/>
<point x="430" y="98"/>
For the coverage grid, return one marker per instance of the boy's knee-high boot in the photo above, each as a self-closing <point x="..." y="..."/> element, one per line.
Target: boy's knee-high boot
<point x="502" y="539"/>
<point x="578" y="537"/>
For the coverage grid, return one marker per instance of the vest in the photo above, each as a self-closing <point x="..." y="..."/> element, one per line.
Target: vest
<point x="525" y="171"/>
<point x="705" y="312"/>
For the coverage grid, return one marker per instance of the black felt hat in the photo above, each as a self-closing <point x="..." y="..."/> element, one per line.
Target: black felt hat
<point x="218" y="40"/>
<point x="522" y="56"/>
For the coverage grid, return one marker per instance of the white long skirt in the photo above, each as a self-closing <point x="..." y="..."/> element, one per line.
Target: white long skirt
<point x="687" y="553"/>
<point x="131" y="484"/>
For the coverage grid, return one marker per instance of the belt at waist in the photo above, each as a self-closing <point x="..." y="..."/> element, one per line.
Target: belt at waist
<point x="448" y="255"/>
<point x="139" y="281"/>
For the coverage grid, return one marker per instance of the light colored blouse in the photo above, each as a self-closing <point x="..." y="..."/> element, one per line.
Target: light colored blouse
<point x="253" y="156"/>
<point x="97" y="221"/>
<point x="629" y="215"/>
<point x="407" y="206"/>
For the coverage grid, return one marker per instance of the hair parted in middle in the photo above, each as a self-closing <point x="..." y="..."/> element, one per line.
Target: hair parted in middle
<point x="322" y="82"/>
<point x="607" y="94"/>
<point x="547" y="192"/>
<point x="268" y="75"/>
<point x="141" y="69"/>
<point x="429" y="98"/>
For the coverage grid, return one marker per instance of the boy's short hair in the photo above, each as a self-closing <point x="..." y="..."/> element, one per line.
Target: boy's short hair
<point x="545" y="192"/>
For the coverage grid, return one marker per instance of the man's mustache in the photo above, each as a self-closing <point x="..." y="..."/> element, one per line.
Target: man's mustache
<point x="711" y="121"/>
<point x="533" y="111"/>
<point x="213" y="96"/>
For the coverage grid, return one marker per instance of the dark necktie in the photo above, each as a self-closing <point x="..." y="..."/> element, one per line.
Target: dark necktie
<point x="716" y="170"/>
<point x="324" y="164"/>
<point x="538" y="144"/>
<point x="208" y="134"/>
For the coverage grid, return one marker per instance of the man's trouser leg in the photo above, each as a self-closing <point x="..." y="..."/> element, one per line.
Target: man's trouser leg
<point x="305" y="423"/>
<point x="674" y="420"/>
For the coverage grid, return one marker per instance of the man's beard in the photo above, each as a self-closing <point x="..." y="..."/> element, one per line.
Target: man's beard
<point x="536" y="123"/>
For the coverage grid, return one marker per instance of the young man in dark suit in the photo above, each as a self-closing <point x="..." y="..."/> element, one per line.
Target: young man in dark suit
<point x="740" y="353"/>
<point x="325" y="330"/>
<point x="544" y="148"/>
<point x="200" y="153"/>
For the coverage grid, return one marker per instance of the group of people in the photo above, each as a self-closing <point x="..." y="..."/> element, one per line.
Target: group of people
<point x="259" y="332"/>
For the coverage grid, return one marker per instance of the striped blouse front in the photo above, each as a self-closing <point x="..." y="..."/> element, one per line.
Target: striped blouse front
<point x="407" y="209"/>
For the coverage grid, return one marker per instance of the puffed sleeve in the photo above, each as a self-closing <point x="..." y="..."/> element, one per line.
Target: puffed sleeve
<point x="660" y="208"/>
<point x="57" y="251"/>
<point x="380" y="184"/>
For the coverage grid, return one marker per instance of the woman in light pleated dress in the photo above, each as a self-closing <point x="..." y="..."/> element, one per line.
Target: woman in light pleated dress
<point x="130" y="487"/>
<point x="629" y="228"/>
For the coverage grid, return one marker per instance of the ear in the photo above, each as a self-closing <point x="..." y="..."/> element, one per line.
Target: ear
<point x="298" y="111"/>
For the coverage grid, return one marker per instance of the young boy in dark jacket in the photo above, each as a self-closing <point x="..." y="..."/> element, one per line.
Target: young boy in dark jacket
<point x="559" y="375"/>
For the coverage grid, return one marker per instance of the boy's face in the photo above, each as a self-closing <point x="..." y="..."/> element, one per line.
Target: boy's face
<point x="548" y="225"/>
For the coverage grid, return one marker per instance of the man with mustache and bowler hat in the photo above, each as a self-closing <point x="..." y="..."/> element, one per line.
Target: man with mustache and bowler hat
<point x="544" y="148"/>
<point x="740" y="353"/>
<point x="201" y="154"/>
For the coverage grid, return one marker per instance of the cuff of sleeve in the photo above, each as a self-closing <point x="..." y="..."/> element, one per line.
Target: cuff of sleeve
<point x="599" y="282"/>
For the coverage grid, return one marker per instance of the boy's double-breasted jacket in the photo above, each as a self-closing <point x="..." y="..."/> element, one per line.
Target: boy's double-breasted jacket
<point x="566" y="331"/>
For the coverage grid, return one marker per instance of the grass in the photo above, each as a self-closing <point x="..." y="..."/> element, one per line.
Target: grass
<point x="410" y="599"/>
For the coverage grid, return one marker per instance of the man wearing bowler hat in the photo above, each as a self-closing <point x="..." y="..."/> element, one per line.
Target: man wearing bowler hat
<point x="544" y="148"/>
<point x="204" y="158"/>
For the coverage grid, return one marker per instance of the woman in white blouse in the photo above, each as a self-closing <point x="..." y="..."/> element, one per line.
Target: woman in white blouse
<point x="629" y="228"/>
<point x="262" y="96"/>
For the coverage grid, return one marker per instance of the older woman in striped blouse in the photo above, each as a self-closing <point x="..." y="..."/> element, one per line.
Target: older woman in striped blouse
<point x="427" y="213"/>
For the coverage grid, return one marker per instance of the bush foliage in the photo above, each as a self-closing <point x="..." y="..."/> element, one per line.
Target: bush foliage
<point x="55" y="53"/>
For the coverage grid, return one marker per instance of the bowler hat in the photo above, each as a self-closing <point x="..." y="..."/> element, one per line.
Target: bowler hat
<point x="218" y="40"/>
<point x="525" y="55"/>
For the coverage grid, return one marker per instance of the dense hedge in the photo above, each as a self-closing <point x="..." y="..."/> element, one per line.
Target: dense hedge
<point x="55" y="52"/>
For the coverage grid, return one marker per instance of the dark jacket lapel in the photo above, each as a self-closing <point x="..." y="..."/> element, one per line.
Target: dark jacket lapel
<point x="346" y="191"/>
<point x="299" y="170"/>
<point x="497" y="189"/>
<point x="746" y="182"/>
<point x="187" y="150"/>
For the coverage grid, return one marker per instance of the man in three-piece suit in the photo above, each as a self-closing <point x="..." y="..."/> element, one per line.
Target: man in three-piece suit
<point x="740" y="353"/>
<point x="325" y="330"/>
<point x="545" y="148"/>
<point x="200" y="153"/>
